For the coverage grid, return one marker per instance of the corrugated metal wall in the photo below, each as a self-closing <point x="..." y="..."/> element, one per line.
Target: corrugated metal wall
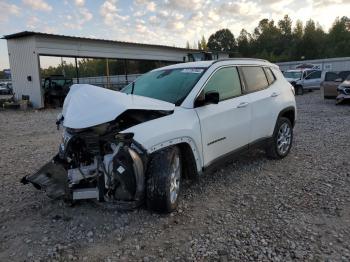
<point x="328" y="64"/>
<point x="24" y="62"/>
<point x="94" y="48"/>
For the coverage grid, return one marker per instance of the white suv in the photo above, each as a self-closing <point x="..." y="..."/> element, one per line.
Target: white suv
<point x="137" y="145"/>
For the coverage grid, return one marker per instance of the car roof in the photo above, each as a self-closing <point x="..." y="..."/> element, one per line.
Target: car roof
<point x="302" y="70"/>
<point x="198" y="64"/>
<point x="206" y="64"/>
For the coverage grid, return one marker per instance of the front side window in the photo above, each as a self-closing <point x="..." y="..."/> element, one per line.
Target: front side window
<point x="314" y="75"/>
<point x="170" y="85"/>
<point x="226" y="82"/>
<point x="254" y="77"/>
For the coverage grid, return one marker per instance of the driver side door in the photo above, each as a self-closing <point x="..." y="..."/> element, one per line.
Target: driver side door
<point x="225" y="126"/>
<point x="313" y="80"/>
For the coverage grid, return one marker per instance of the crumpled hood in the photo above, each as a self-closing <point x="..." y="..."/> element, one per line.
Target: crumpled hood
<point x="88" y="105"/>
<point x="346" y="83"/>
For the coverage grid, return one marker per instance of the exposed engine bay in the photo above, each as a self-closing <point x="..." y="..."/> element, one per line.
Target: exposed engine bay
<point x="98" y="162"/>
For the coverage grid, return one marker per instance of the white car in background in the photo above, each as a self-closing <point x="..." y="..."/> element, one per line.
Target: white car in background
<point x="172" y="123"/>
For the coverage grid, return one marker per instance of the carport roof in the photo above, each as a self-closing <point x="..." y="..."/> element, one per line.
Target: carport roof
<point x="32" y="33"/>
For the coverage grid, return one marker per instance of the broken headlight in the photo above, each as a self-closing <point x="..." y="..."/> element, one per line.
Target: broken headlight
<point x="66" y="137"/>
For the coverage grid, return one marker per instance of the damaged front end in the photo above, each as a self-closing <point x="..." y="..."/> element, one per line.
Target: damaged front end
<point x="343" y="92"/>
<point x="97" y="158"/>
<point x="95" y="163"/>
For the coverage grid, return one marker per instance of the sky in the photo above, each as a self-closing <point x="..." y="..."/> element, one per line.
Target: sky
<point x="166" y="22"/>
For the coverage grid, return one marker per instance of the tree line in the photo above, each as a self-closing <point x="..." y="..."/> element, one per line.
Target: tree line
<point x="278" y="42"/>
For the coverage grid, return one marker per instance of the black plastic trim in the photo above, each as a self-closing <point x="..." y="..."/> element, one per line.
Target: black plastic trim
<point x="231" y="155"/>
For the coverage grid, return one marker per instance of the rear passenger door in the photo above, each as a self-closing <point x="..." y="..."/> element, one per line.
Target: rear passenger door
<point x="260" y="85"/>
<point x="225" y="126"/>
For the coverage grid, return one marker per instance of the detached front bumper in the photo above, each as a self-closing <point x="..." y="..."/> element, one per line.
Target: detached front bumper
<point x="117" y="177"/>
<point x="52" y="178"/>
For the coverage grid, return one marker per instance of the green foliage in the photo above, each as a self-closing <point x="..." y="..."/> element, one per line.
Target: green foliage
<point x="222" y="40"/>
<point x="282" y="42"/>
<point x="203" y="43"/>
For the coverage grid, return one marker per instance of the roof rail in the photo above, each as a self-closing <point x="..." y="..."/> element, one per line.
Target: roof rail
<point x="243" y="58"/>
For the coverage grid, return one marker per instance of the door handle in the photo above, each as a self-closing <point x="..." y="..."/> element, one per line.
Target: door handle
<point x="274" y="94"/>
<point x="243" y="104"/>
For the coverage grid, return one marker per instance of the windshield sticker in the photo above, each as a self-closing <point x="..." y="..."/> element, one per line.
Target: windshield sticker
<point x="192" y="70"/>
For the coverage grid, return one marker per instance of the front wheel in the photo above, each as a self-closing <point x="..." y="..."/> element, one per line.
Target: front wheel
<point x="282" y="139"/>
<point x="299" y="90"/>
<point x="163" y="180"/>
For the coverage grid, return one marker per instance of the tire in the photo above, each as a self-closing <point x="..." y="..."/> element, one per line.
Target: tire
<point x="299" y="90"/>
<point x="282" y="139"/>
<point x="164" y="180"/>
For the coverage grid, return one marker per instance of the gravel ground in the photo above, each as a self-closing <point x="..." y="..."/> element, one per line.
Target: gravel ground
<point x="251" y="209"/>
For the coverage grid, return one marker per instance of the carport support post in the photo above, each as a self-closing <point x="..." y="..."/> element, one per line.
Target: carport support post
<point x="76" y="69"/>
<point x="107" y="72"/>
<point x="126" y="71"/>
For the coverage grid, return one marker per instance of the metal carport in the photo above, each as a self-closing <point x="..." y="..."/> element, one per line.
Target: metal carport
<point x="26" y="47"/>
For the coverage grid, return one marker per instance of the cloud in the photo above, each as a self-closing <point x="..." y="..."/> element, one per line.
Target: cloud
<point x="78" y="19"/>
<point x="186" y="4"/>
<point x="40" y="5"/>
<point x="32" y="22"/>
<point x="110" y="13"/>
<point x="11" y="10"/>
<point x="151" y="6"/>
<point x="79" y="2"/>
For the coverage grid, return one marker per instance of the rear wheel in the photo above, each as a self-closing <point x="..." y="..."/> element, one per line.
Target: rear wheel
<point x="282" y="139"/>
<point x="164" y="180"/>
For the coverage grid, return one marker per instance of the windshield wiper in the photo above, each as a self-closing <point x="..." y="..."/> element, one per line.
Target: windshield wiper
<point x="132" y="87"/>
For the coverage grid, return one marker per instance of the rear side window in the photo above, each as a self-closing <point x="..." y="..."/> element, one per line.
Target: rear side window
<point x="255" y="78"/>
<point x="226" y="82"/>
<point x="270" y="76"/>
<point x="331" y="76"/>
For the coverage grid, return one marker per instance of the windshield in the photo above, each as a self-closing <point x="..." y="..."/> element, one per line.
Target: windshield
<point x="293" y="74"/>
<point x="170" y="85"/>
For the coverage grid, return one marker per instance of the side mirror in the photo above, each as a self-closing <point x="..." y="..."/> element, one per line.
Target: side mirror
<point x="210" y="97"/>
<point x="338" y="80"/>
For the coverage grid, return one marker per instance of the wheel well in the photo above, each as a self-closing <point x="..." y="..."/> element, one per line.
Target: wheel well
<point x="290" y="114"/>
<point x="188" y="161"/>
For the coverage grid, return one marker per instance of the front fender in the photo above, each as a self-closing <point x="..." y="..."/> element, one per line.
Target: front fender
<point x="180" y="127"/>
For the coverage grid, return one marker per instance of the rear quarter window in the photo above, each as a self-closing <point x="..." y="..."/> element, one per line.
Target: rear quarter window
<point x="269" y="75"/>
<point x="254" y="78"/>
